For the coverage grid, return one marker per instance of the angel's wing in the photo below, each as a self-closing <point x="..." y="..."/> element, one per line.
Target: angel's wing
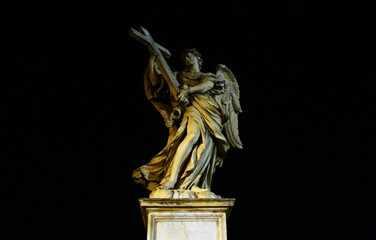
<point x="230" y="105"/>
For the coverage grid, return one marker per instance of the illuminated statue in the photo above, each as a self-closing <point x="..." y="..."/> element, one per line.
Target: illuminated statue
<point x="201" y="111"/>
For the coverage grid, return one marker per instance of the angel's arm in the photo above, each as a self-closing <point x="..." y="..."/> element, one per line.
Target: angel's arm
<point x="203" y="87"/>
<point x="153" y="71"/>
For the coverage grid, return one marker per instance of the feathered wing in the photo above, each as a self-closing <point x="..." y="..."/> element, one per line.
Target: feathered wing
<point x="230" y="105"/>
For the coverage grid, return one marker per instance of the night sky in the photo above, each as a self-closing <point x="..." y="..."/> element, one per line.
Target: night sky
<point x="77" y="122"/>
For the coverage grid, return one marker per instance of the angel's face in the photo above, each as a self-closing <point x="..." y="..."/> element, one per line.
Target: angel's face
<point x="191" y="59"/>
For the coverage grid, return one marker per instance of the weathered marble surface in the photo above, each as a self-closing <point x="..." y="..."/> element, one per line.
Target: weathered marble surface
<point x="186" y="219"/>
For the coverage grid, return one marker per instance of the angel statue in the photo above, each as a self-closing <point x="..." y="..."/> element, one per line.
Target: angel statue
<point x="203" y="122"/>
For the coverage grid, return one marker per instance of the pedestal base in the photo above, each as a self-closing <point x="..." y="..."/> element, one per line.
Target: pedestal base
<point x="186" y="219"/>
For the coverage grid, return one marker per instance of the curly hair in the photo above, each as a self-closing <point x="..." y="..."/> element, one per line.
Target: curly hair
<point x="193" y="51"/>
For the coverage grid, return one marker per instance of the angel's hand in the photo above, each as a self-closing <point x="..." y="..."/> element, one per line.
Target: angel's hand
<point x="152" y="58"/>
<point x="183" y="96"/>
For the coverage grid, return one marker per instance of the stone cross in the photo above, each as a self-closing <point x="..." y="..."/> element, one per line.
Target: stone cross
<point x="160" y="52"/>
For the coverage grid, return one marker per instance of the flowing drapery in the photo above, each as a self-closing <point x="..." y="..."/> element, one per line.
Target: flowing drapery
<point x="205" y="155"/>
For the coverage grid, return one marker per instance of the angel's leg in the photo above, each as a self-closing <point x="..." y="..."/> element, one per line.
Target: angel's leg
<point x="185" y="147"/>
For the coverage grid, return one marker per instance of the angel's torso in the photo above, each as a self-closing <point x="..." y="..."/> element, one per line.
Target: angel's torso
<point x="191" y="80"/>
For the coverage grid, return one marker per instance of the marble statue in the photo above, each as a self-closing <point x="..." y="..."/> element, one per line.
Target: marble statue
<point x="201" y="112"/>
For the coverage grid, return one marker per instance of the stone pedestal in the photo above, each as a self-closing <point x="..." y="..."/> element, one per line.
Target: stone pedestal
<point x="186" y="219"/>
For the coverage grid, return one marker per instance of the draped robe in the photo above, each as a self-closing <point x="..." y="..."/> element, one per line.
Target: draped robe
<point x="210" y="149"/>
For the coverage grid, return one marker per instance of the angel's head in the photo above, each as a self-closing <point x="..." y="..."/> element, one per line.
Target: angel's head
<point x="190" y="57"/>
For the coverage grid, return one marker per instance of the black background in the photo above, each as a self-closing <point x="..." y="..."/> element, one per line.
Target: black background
<point x="78" y="123"/>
